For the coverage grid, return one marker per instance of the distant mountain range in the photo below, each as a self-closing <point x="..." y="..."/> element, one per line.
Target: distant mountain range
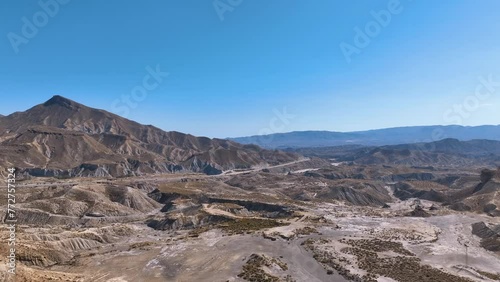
<point x="379" y="137"/>
<point x="64" y="138"/>
<point x="447" y="153"/>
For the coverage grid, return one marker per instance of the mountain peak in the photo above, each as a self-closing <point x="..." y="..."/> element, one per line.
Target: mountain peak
<point x="102" y="143"/>
<point x="62" y="101"/>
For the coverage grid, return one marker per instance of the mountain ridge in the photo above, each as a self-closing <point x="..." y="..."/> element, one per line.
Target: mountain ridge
<point x="374" y="137"/>
<point x="64" y="138"/>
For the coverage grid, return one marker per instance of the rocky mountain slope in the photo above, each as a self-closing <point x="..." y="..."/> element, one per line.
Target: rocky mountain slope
<point x="64" y="138"/>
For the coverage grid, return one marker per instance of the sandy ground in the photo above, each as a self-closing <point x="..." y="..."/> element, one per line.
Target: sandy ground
<point x="419" y="236"/>
<point x="211" y="257"/>
<point x="214" y="256"/>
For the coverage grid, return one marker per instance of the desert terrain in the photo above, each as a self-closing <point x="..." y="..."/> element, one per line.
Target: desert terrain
<point x="101" y="198"/>
<point x="284" y="223"/>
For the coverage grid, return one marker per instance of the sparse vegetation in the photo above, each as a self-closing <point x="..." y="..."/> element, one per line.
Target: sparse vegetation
<point x="306" y="231"/>
<point x="198" y="231"/>
<point x="377" y="246"/>
<point x="140" y="245"/>
<point x="405" y="267"/>
<point x="240" y="226"/>
<point x="252" y="271"/>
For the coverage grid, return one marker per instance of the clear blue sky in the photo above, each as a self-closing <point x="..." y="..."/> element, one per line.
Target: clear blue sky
<point x="228" y="77"/>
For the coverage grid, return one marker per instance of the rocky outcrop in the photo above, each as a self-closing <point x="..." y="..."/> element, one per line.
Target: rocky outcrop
<point x="408" y="190"/>
<point x="482" y="231"/>
<point x="490" y="238"/>
<point x="180" y="221"/>
<point x="266" y="209"/>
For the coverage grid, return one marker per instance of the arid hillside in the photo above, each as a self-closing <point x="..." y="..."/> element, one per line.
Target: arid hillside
<point x="63" y="138"/>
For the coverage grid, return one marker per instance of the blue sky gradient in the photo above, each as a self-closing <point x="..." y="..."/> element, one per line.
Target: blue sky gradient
<point x="228" y="76"/>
